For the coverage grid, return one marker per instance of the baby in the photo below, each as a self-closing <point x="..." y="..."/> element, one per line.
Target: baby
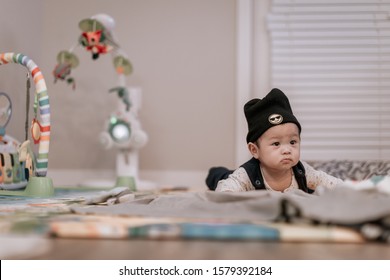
<point x="274" y="141"/>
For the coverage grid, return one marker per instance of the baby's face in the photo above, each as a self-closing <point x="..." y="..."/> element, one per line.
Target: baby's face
<point x="279" y="147"/>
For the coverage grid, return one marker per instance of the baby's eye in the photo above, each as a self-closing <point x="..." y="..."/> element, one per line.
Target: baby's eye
<point x="293" y="142"/>
<point x="275" y="144"/>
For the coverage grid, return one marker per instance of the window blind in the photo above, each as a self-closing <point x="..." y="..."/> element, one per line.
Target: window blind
<point x="332" y="59"/>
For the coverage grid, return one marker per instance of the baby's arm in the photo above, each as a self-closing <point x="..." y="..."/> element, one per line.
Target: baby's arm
<point x="238" y="181"/>
<point x="317" y="178"/>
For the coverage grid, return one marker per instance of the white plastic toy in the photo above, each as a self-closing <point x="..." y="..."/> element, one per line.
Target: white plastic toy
<point x="122" y="130"/>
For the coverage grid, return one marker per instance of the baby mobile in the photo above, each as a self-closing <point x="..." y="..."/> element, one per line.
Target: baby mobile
<point x="123" y="129"/>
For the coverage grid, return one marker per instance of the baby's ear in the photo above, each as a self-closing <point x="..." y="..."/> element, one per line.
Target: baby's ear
<point x="253" y="149"/>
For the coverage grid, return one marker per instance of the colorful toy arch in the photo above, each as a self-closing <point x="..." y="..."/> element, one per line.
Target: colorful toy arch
<point x="38" y="185"/>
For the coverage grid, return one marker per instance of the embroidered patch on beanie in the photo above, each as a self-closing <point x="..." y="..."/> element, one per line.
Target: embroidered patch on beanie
<point x="262" y="114"/>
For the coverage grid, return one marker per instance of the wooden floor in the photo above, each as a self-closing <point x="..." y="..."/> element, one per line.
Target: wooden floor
<point x="75" y="249"/>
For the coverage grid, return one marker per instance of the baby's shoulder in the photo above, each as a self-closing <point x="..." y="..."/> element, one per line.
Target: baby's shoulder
<point x="306" y="165"/>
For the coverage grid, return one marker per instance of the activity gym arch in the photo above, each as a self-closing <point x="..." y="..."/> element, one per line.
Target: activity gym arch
<point x="21" y="171"/>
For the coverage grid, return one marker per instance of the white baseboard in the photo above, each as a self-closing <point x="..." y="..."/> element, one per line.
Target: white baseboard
<point x="147" y="178"/>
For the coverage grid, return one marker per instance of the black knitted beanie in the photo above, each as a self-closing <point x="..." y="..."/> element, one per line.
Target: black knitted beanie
<point x="262" y="114"/>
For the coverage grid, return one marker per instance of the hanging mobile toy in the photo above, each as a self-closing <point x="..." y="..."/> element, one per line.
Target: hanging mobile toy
<point x="122" y="65"/>
<point x="66" y="61"/>
<point x="96" y="36"/>
<point x="123" y="94"/>
<point x="123" y="130"/>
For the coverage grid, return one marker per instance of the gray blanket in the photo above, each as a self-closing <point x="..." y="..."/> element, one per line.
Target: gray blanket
<point x="367" y="212"/>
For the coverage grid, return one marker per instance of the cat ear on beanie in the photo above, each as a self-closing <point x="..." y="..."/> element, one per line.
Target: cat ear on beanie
<point x="262" y="114"/>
